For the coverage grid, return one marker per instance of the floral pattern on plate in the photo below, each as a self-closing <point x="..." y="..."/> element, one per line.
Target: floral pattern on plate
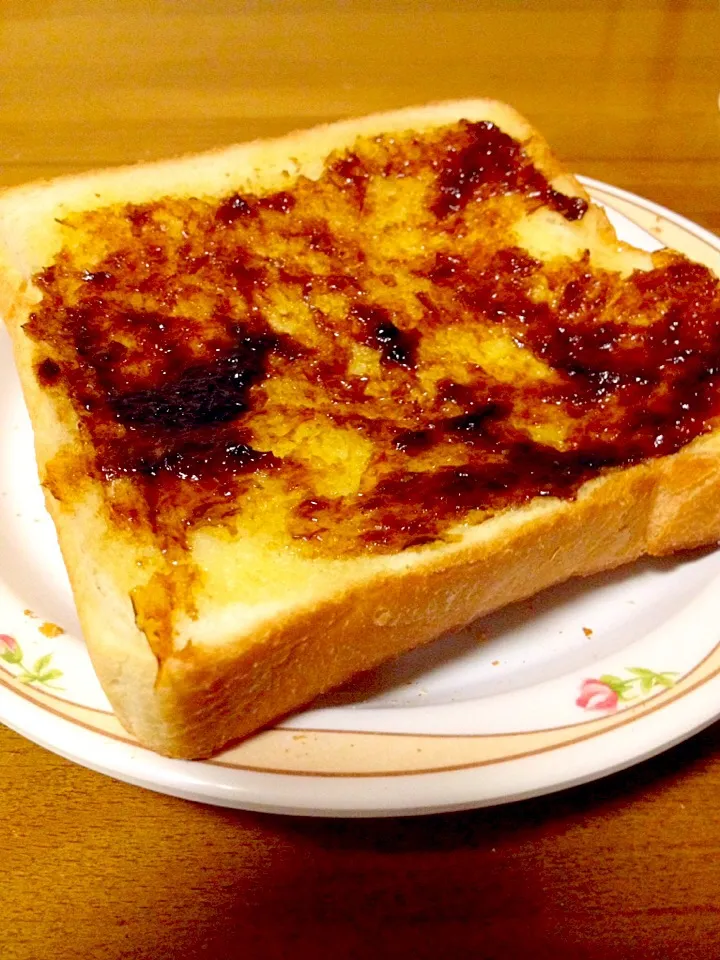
<point x="609" y="692"/>
<point x="40" y="671"/>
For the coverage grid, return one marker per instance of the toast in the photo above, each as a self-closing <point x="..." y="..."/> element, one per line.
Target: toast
<point x="303" y="404"/>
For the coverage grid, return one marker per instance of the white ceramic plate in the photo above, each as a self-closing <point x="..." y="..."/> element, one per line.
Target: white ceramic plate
<point x="584" y="680"/>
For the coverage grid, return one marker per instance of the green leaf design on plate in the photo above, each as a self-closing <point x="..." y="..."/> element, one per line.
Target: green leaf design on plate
<point x="41" y="663"/>
<point x="646" y="684"/>
<point x="49" y="675"/>
<point x="39" y="673"/>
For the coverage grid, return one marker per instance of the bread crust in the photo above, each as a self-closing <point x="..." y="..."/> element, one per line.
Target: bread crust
<point x="204" y="694"/>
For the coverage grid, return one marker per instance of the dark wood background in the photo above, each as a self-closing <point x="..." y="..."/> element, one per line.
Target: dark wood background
<point x="624" y="869"/>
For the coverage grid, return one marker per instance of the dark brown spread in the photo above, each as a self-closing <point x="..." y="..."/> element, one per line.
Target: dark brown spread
<point x="373" y="348"/>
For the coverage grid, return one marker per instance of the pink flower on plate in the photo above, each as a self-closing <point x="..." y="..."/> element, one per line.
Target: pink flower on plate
<point x="8" y="644"/>
<point x="596" y="695"/>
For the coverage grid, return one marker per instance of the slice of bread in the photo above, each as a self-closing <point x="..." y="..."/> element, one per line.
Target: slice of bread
<point x="301" y="405"/>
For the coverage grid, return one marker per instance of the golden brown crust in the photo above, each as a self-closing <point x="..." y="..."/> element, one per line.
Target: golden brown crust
<point x="240" y="666"/>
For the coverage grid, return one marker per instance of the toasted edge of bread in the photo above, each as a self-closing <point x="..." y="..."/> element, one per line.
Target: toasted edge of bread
<point x="260" y="667"/>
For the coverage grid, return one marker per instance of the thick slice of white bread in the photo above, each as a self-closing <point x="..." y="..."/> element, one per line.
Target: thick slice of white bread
<point x="201" y="643"/>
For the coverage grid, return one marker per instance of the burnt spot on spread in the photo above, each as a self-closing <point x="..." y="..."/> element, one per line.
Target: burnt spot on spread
<point x="48" y="372"/>
<point x="477" y="422"/>
<point x="201" y="395"/>
<point x="372" y="349"/>
<point x="395" y="346"/>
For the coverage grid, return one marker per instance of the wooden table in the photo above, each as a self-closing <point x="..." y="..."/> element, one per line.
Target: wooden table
<point x="625" y="868"/>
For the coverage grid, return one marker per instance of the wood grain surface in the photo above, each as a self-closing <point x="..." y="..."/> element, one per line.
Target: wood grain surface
<point x="624" y="869"/>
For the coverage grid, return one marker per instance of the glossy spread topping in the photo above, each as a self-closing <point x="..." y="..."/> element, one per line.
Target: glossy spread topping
<point x="374" y="350"/>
